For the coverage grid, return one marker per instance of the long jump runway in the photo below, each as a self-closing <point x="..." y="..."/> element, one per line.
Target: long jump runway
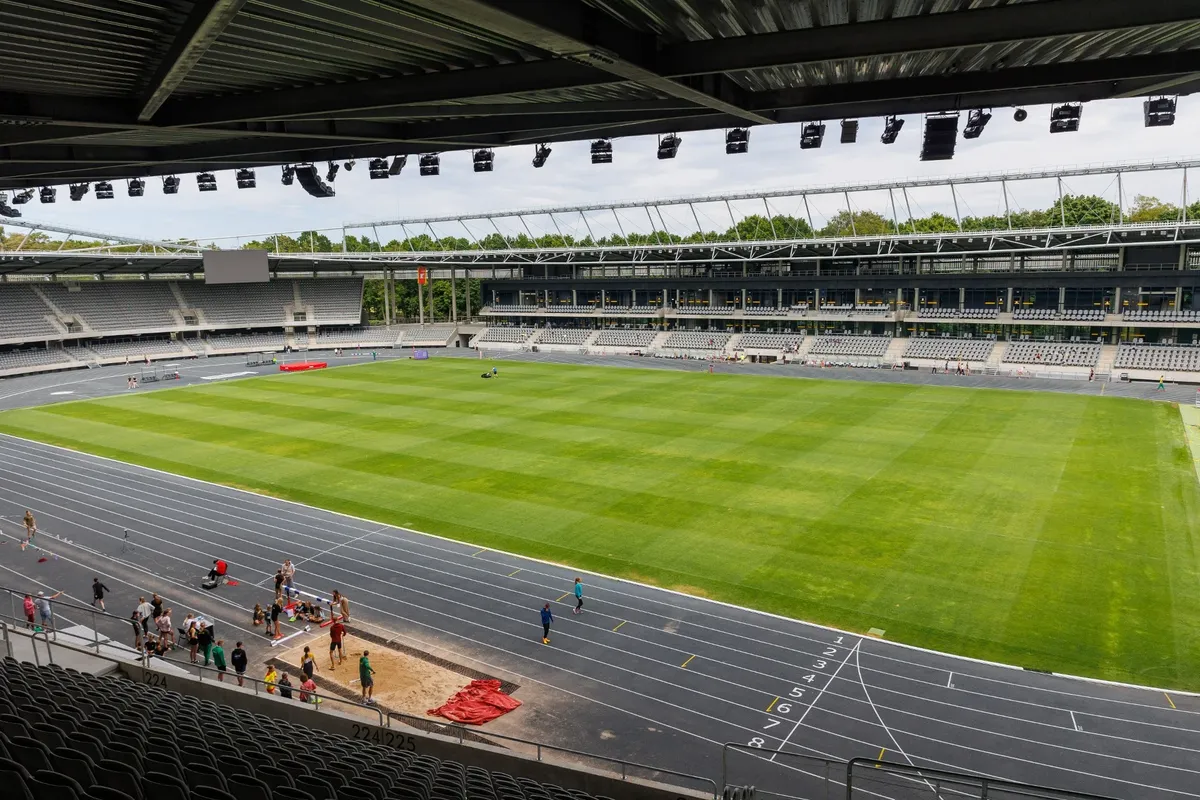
<point x="646" y="675"/>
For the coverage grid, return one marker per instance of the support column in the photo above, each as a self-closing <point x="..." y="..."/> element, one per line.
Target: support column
<point x="1120" y="259"/>
<point x="421" y="302"/>
<point x="779" y="298"/>
<point x="1116" y="309"/>
<point x="387" y="299"/>
<point x="574" y="298"/>
<point x="453" y="296"/>
<point x="1178" y="297"/>
<point x="710" y="298"/>
<point x="1183" y="256"/>
<point x="743" y="299"/>
<point x="467" y="275"/>
<point x="962" y="297"/>
<point x="857" y="295"/>
<point x="1062" y="297"/>
<point x="603" y="298"/>
<point x="1008" y="306"/>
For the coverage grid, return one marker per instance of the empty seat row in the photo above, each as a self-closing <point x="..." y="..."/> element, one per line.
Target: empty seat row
<point x="696" y="340"/>
<point x="947" y="349"/>
<point x="1158" y="357"/>
<point x="575" y="336"/>
<point x="770" y="341"/>
<point x="619" y="338"/>
<point x="931" y="312"/>
<point x="870" y="346"/>
<point x="509" y="335"/>
<point x="1080" y="354"/>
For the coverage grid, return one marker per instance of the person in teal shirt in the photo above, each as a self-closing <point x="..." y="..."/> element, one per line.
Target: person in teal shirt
<point x="218" y="657"/>
<point x="578" y="596"/>
<point x="365" y="680"/>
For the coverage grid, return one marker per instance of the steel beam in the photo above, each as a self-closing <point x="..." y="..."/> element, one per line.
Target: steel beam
<point x="920" y="33"/>
<point x="204" y="25"/>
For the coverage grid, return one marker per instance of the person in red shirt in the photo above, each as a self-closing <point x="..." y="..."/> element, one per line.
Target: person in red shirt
<point x="219" y="569"/>
<point x="337" y="632"/>
<point x="29" y="610"/>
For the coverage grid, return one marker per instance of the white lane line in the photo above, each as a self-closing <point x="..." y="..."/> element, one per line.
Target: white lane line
<point x="950" y="678"/>
<point x="668" y="647"/>
<point x="882" y="724"/>
<point x="817" y="699"/>
<point x="227" y="375"/>
<point x="1073" y="722"/>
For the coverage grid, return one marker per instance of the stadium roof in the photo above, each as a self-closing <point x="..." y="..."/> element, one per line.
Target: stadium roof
<point x="107" y="89"/>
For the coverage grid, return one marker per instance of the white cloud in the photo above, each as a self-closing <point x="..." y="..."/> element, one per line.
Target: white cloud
<point x="1111" y="131"/>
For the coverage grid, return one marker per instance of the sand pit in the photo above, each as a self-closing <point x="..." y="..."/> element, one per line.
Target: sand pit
<point x="403" y="682"/>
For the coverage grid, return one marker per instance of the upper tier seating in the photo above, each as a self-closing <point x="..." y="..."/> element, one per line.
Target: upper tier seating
<point x="1182" y="315"/>
<point x="696" y="340"/>
<point x="619" y="338"/>
<point x="23" y="315"/>
<point x="509" y="335"/>
<point x="561" y="308"/>
<point x="702" y="310"/>
<point x="931" y="312"/>
<point x="244" y="304"/>
<point x="765" y="311"/>
<point x="946" y="349"/>
<point x="851" y="345"/>
<point x="576" y="336"/>
<point x="116" y="305"/>
<point x="770" y="341"/>
<point x="1054" y="315"/>
<point x="333" y="299"/>
<point x="1158" y="357"/>
<point x="1080" y="354"/>
<point x="137" y="349"/>
<point x="510" y="308"/>
<point x="379" y="335"/>
<point x="71" y="736"/>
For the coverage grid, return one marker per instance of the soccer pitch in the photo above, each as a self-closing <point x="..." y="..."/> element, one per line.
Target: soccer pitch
<point x="1052" y="531"/>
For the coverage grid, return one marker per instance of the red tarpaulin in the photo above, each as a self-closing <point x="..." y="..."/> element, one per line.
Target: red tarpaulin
<point x="479" y="702"/>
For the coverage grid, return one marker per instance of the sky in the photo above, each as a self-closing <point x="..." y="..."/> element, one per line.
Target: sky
<point x="1111" y="131"/>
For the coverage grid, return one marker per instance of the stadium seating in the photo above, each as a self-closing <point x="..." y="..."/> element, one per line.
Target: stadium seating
<point x="90" y="738"/>
<point x="929" y="312"/>
<point x="428" y="335"/>
<point x="1183" y="315"/>
<point x="32" y="358"/>
<point x="23" y="315"/>
<point x="871" y="346"/>
<point x="871" y="311"/>
<point x="1080" y="354"/>
<point x="137" y="349"/>
<point x="1158" y="357"/>
<point x="696" y="340"/>
<point x="701" y="310"/>
<point x="570" y="309"/>
<point x="246" y="343"/>
<point x="377" y="335"/>
<point x="764" y="311"/>
<point x="1054" y="315"/>
<point x="946" y="349"/>
<point x="333" y="299"/>
<point x="246" y="304"/>
<point x="510" y="308"/>
<point x="575" y="336"/>
<point x="638" y="309"/>
<point x="618" y="338"/>
<point x="770" y="341"/>
<point x="116" y="305"/>
<point x="507" y="335"/>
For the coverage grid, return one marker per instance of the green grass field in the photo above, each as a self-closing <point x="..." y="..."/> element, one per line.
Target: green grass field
<point x="1051" y="531"/>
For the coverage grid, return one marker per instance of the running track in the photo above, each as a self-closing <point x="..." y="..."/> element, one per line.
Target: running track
<point x="669" y="677"/>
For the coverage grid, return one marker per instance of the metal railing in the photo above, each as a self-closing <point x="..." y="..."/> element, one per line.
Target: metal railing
<point x="461" y="733"/>
<point x="829" y="771"/>
<point x="867" y="776"/>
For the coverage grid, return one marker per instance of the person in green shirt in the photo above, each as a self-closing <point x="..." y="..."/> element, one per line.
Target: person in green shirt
<point x="218" y="657"/>
<point x="365" y="680"/>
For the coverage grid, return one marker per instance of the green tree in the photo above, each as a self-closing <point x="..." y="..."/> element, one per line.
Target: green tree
<point x="1151" y="209"/>
<point x="862" y="223"/>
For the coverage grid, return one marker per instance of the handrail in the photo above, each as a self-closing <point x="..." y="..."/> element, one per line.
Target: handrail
<point x="462" y="731"/>
<point x="1008" y="788"/>
<point x="761" y="753"/>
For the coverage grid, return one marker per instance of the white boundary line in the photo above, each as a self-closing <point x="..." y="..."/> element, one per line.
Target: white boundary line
<point x="768" y="614"/>
<point x="817" y="699"/>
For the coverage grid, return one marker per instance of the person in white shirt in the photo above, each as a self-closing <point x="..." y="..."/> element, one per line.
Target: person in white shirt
<point x="145" y="614"/>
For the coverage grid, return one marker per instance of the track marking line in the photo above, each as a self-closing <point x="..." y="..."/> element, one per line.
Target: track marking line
<point x="949" y="678"/>
<point x="514" y="572"/>
<point x="773" y="702"/>
<point x="1169" y="700"/>
<point x="565" y="594"/>
<point x="619" y="624"/>
<point x="858" y="666"/>
<point x="879" y="757"/>
<point x="684" y="664"/>
<point x="477" y="552"/>
<point x="813" y="704"/>
<point x="1073" y="721"/>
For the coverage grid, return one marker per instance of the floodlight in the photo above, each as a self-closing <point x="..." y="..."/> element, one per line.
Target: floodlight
<point x="668" y="146"/>
<point x="811" y="135"/>
<point x="377" y="169"/>
<point x="206" y="182"/>
<point x="246" y="179"/>
<point x="289" y="175"/>
<point x="737" y="141"/>
<point x="891" y="129"/>
<point x="1065" y="118"/>
<point x="104" y="191"/>
<point x="331" y="173"/>
<point x="540" y="154"/>
<point x="602" y="151"/>
<point x="941" y="136"/>
<point x="5" y="209"/>
<point x="397" y="164"/>
<point x="849" y="131"/>
<point x="430" y="164"/>
<point x="1020" y="115"/>
<point x="78" y="190"/>
<point x="47" y="194"/>
<point x="170" y="185"/>
<point x="1158" y="112"/>
<point x="977" y="120"/>
<point x="136" y="187"/>
<point x="22" y="197"/>
<point x="349" y="165"/>
<point x="483" y="160"/>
